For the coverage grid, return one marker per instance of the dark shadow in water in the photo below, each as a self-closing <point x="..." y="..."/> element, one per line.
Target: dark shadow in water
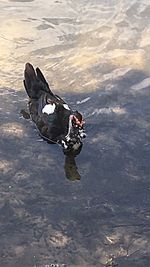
<point x="44" y="218"/>
<point x="71" y="169"/>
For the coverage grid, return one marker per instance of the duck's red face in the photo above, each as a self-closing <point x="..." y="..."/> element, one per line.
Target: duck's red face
<point x="78" y="121"/>
<point x="73" y="139"/>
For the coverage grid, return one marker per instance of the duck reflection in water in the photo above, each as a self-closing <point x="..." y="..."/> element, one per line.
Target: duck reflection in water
<point x="70" y="167"/>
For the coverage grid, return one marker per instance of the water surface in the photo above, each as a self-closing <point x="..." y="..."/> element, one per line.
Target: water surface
<point x="96" y="54"/>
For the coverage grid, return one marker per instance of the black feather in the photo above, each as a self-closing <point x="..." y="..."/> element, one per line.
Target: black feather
<point x="41" y="78"/>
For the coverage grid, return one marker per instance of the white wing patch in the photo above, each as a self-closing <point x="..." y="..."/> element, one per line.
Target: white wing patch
<point x="49" y="109"/>
<point x="66" y="106"/>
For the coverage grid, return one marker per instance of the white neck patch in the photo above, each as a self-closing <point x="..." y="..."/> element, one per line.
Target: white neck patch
<point x="69" y="128"/>
<point x="49" y="108"/>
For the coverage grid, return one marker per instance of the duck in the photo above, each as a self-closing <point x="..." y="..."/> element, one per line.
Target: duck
<point x="55" y="120"/>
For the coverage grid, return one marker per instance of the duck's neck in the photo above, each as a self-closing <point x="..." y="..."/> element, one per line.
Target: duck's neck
<point x="69" y="127"/>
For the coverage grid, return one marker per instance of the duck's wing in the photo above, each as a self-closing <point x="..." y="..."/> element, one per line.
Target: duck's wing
<point x="43" y="81"/>
<point x="29" y="79"/>
<point x="60" y="100"/>
<point x="34" y="82"/>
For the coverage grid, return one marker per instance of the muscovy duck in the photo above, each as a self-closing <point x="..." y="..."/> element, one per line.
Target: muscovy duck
<point x="55" y="120"/>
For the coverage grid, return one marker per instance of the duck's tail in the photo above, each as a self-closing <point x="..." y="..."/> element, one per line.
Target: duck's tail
<point x="34" y="82"/>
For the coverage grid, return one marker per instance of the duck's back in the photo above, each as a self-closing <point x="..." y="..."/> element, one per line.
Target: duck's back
<point x="49" y="112"/>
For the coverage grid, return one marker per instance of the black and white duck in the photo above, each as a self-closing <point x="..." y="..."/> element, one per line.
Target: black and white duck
<point x="55" y="120"/>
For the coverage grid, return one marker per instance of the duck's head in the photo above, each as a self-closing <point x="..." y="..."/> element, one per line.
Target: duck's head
<point x="72" y="142"/>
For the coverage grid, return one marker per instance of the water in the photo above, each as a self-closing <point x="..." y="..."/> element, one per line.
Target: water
<point x="96" y="54"/>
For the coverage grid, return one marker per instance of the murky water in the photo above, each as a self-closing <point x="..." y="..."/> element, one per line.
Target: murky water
<point x="96" y="54"/>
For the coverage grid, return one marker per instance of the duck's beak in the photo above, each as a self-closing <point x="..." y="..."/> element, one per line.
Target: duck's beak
<point x="73" y="150"/>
